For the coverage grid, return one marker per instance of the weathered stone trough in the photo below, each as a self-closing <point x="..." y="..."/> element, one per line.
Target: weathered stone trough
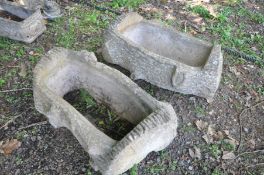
<point x="62" y="71"/>
<point x="19" y="23"/>
<point x="49" y="8"/>
<point x="163" y="56"/>
<point x="29" y="4"/>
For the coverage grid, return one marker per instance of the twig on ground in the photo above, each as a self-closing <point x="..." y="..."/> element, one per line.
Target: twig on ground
<point x="15" y="90"/>
<point x="240" y="122"/>
<point x="185" y="26"/>
<point x="249" y="152"/>
<point x="11" y="121"/>
<point x="32" y="125"/>
<point x="254" y="165"/>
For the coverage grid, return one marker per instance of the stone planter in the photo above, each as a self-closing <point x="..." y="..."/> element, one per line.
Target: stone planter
<point x="164" y="57"/>
<point x="50" y="8"/>
<point x="61" y="71"/>
<point x="29" y="4"/>
<point x="20" y="24"/>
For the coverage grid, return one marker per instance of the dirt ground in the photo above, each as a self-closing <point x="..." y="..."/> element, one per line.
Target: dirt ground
<point x="223" y="137"/>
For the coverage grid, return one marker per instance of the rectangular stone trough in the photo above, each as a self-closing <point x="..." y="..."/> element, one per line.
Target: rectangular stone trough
<point x="20" y="24"/>
<point x="163" y="56"/>
<point x="62" y="71"/>
<point x="28" y="4"/>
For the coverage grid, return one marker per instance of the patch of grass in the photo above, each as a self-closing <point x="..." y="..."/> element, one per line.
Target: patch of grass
<point x="173" y="165"/>
<point x="89" y="172"/>
<point x="260" y="90"/>
<point x="216" y="172"/>
<point x="2" y="82"/>
<point x="156" y="169"/>
<point x="5" y="43"/>
<point x="234" y="35"/>
<point x="6" y="57"/>
<point x="188" y="128"/>
<point x="252" y="15"/>
<point x="20" y="52"/>
<point x="150" y="90"/>
<point x="215" y="150"/>
<point x="87" y="98"/>
<point x="201" y="11"/>
<point x="226" y="146"/>
<point x="166" y="165"/>
<point x="131" y="4"/>
<point x="199" y="110"/>
<point x="82" y="29"/>
<point x="21" y="134"/>
<point x="68" y="38"/>
<point x="134" y="170"/>
<point x="19" y="160"/>
<point x="38" y="52"/>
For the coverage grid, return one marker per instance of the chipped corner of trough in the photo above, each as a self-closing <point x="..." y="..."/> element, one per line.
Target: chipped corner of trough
<point x="61" y="71"/>
<point x="163" y="56"/>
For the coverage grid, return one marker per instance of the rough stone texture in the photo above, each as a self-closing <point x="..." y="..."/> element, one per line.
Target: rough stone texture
<point x="27" y="30"/>
<point x="29" y="4"/>
<point x="62" y="71"/>
<point x="163" y="56"/>
<point x="50" y="8"/>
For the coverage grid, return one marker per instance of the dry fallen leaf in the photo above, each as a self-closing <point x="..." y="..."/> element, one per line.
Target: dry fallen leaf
<point x="9" y="146"/>
<point x="23" y="70"/>
<point x="234" y="70"/>
<point x="191" y="152"/>
<point x="196" y="153"/>
<point x="211" y="131"/>
<point x="208" y="139"/>
<point x="218" y="135"/>
<point x="251" y="144"/>
<point x="228" y="155"/>
<point x="201" y="125"/>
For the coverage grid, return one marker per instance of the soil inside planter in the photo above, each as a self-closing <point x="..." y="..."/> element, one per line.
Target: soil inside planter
<point x="102" y="116"/>
<point x="7" y="15"/>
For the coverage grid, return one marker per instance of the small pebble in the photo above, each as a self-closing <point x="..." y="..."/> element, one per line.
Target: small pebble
<point x="190" y="168"/>
<point x="17" y="172"/>
<point x="83" y="169"/>
<point x="245" y="130"/>
<point x="33" y="138"/>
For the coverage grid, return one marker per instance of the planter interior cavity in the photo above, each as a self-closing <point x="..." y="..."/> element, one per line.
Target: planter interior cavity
<point x="9" y="16"/>
<point x="103" y="117"/>
<point x="163" y="56"/>
<point x="153" y="123"/>
<point x="50" y="8"/>
<point x="167" y="43"/>
<point x="19" y="23"/>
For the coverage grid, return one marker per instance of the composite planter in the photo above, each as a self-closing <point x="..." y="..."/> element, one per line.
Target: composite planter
<point x="163" y="56"/>
<point x="19" y="23"/>
<point x="29" y="4"/>
<point x="61" y="71"/>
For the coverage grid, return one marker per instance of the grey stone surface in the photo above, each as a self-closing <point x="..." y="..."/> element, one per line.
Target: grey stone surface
<point x="50" y="8"/>
<point x="163" y="56"/>
<point x="61" y="71"/>
<point x="29" y="4"/>
<point x="27" y="29"/>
